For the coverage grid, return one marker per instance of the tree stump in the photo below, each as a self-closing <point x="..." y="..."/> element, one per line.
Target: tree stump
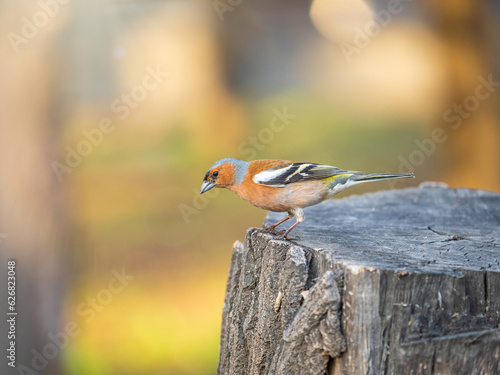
<point x="394" y="282"/>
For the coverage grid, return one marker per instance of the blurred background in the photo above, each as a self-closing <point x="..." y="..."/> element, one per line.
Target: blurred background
<point x="111" y="112"/>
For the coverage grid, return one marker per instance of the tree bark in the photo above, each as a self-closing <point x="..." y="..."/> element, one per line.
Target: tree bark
<point x="394" y="282"/>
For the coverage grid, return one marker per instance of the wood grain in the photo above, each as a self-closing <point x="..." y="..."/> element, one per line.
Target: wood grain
<point x="394" y="282"/>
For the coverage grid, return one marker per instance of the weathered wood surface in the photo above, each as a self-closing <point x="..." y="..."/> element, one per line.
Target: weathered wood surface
<point x="411" y="277"/>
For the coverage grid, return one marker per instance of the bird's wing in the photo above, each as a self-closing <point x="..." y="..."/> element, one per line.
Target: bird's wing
<point x="296" y="172"/>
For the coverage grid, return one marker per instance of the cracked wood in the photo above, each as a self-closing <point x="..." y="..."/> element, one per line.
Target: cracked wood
<point x="407" y="281"/>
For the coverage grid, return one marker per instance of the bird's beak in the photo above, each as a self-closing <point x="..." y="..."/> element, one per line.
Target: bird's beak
<point x="206" y="186"/>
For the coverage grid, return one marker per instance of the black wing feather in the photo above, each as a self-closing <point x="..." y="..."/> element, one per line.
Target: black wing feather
<point x="298" y="172"/>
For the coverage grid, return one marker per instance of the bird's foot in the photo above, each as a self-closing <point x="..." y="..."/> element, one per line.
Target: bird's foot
<point x="288" y="238"/>
<point x="272" y="229"/>
<point x="284" y="236"/>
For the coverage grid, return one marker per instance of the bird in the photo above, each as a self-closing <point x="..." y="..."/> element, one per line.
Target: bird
<point x="284" y="185"/>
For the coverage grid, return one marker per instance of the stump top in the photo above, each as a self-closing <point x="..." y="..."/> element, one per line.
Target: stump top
<point x="425" y="229"/>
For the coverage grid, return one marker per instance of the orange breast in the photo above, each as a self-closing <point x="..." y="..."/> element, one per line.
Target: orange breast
<point x="280" y="199"/>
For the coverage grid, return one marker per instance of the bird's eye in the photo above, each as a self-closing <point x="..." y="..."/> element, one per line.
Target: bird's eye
<point x="215" y="174"/>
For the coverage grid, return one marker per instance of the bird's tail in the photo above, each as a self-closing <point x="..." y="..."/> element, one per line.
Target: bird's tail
<point x="379" y="176"/>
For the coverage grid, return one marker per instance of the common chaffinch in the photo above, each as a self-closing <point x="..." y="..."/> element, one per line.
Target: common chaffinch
<point x="285" y="186"/>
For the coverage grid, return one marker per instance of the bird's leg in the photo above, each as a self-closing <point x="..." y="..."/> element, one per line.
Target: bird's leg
<point x="272" y="227"/>
<point x="300" y="218"/>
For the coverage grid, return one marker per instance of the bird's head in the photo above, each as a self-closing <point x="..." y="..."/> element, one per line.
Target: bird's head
<point x="224" y="173"/>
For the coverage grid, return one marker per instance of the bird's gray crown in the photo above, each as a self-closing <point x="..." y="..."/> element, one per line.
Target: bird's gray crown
<point x="240" y="168"/>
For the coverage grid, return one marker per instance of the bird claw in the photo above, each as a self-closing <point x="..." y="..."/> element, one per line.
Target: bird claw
<point x="285" y="237"/>
<point x="282" y="234"/>
<point x="273" y="230"/>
